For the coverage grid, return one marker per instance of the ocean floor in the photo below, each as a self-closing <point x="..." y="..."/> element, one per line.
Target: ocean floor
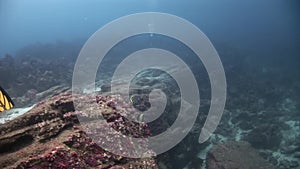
<point x="259" y="119"/>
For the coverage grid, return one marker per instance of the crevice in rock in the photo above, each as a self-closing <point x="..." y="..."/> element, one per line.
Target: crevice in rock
<point x="19" y="143"/>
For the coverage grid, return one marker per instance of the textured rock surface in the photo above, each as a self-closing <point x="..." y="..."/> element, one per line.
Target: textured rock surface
<point x="49" y="136"/>
<point x="231" y="155"/>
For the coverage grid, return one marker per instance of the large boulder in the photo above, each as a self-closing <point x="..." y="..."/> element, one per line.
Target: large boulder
<point x="236" y="155"/>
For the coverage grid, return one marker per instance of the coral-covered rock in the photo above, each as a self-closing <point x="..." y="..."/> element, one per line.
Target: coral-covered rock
<point x="50" y="136"/>
<point x="235" y="155"/>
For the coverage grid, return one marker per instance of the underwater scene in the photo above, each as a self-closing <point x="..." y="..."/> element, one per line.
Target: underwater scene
<point x="117" y="84"/>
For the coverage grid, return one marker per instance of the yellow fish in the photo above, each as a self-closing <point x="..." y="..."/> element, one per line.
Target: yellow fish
<point x="5" y="101"/>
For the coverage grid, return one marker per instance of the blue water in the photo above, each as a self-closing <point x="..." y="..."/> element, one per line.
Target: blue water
<point x="255" y="26"/>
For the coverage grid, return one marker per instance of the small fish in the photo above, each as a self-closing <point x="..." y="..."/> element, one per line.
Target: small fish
<point x="5" y="101"/>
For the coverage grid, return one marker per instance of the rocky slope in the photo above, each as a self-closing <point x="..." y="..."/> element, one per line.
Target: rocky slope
<point x="50" y="136"/>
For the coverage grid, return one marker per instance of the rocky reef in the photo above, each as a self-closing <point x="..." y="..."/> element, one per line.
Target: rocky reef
<point x="50" y="136"/>
<point x="262" y="110"/>
<point x="36" y="68"/>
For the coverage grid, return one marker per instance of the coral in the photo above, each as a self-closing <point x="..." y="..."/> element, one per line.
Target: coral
<point x="50" y="136"/>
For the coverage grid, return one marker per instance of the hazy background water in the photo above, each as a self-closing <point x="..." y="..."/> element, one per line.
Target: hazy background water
<point x="266" y="31"/>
